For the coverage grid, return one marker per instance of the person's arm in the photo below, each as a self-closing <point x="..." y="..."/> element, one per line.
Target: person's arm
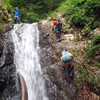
<point x="13" y="12"/>
<point x="53" y="27"/>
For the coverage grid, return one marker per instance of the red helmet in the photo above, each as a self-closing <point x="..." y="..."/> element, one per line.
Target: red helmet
<point x="53" y="18"/>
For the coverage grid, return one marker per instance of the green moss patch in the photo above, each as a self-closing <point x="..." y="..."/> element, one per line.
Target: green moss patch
<point x="1" y="28"/>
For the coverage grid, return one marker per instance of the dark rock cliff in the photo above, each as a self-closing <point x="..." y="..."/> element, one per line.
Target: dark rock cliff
<point x="7" y="69"/>
<point x="8" y="76"/>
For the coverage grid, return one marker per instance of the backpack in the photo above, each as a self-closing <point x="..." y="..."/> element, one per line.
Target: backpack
<point x="66" y="56"/>
<point x="59" y="23"/>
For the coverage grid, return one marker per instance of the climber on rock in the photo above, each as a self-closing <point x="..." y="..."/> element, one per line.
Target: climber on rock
<point x="57" y="26"/>
<point x="69" y="67"/>
<point x="16" y="16"/>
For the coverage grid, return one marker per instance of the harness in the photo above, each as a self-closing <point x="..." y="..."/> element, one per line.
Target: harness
<point x="16" y="15"/>
<point x="71" y="65"/>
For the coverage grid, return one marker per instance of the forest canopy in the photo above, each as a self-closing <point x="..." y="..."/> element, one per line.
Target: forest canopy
<point x="33" y="10"/>
<point x="81" y="13"/>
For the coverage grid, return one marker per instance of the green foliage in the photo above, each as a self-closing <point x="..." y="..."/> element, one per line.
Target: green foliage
<point x="3" y="16"/>
<point x="57" y="50"/>
<point x="82" y="75"/>
<point x="81" y="13"/>
<point x="2" y="8"/>
<point x="32" y="10"/>
<point x="94" y="47"/>
<point x="90" y="78"/>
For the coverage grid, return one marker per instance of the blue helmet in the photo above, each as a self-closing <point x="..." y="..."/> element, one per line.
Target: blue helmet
<point x="16" y="8"/>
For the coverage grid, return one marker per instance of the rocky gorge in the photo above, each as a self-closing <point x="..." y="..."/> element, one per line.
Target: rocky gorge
<point x="52" y="66"/>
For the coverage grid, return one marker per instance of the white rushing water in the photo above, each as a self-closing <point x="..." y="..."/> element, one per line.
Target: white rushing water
<point x="26" y="59"/>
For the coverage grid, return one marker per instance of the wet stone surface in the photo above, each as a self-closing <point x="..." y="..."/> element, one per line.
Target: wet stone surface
<point x="8" y="78"/>
<point x="54" y="72"/>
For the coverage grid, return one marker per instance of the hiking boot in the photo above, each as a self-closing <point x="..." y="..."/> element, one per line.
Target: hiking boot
<point x="58" y="40"/>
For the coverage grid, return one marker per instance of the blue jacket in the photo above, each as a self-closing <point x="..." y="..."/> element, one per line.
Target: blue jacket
<point x="16" y="13"/>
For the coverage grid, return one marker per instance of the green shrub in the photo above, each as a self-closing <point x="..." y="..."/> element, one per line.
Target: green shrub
<point x="9" y="9"/>
<point x="82" y="75"/>
<point x="93" y="48"/>
<point x="81" y="13"/>
<point x="32" y="10"/>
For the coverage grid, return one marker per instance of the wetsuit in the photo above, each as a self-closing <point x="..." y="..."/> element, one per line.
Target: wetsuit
<point x="16" y="16"/>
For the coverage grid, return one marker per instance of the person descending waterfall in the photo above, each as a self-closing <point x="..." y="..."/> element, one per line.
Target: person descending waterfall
<point x="57" y="26"/>
<point x="69" y="67"/>
<point x="17" y="14"/>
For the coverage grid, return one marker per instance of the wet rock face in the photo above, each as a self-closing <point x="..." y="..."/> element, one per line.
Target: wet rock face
<point x="53" y="70"/>
<point x="1" y="47"/>
<point x="7" y="70"/>
<point x="54" y="75"/>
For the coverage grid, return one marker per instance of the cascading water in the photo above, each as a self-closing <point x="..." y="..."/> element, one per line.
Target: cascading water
<point x="26" y="44"/>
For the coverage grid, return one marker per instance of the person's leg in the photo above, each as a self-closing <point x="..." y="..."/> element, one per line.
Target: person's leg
<point x="72" y="73"/>
<point x="15" y="18"/>
<point x="60" y="37"/>
<point x="15" y="21"/>
<point x="57" y="34"/>
<point x="18" y="19"/>
<point x="67" y="75"/>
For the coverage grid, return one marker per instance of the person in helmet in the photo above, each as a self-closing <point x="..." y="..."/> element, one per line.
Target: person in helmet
<point x="57" y="26"/>
<point x="69" y="67"/>
<point x="16" y="15"/>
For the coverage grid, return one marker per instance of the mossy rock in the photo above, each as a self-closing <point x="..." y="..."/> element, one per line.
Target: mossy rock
<point x="97" y="58"/>
<point x="1" y="21"/>
<point x="2" y="8"/>
<point x="5" y="19"/>
<point x="97" y="63"/>
<point x="5" y="13"/>
<point x="2" y="28"/>
<point x="0" y="13"/>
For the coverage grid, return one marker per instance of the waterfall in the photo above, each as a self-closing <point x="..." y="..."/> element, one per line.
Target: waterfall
<point x="26" y="58"/>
